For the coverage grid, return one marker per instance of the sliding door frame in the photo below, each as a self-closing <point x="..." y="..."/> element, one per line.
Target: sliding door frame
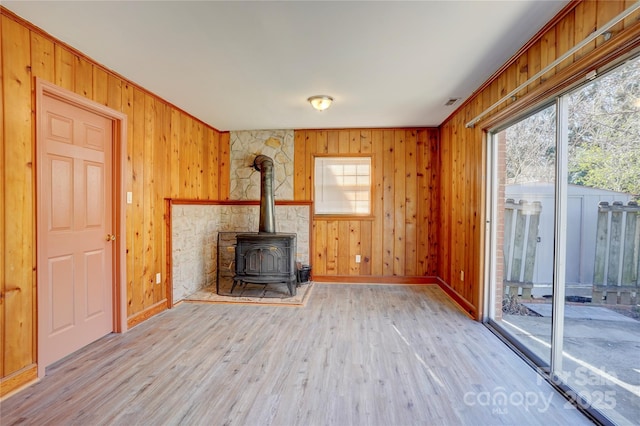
<point x="490" y="244"/>
<point x="551" y="371"/>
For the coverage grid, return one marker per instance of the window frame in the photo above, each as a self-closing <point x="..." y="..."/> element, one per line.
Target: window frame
<point x="344" y="216"/>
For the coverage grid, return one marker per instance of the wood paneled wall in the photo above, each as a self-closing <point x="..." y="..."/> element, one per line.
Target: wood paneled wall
<point x="462" y="153"/>
<point x="169" y="154"/>
<point x="400" y="239"/>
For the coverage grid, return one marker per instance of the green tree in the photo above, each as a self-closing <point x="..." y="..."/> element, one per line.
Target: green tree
<point x="604" y="131"/>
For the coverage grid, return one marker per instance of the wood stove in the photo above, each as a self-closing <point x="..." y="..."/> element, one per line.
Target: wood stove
<point x="267" y="256"/>
<point x="264" y="258"/>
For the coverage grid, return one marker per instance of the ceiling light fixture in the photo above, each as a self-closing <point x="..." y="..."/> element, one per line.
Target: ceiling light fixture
<point x="320" y="102"/>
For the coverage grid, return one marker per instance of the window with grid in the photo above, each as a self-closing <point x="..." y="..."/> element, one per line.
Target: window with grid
<point x="342" y="185"/>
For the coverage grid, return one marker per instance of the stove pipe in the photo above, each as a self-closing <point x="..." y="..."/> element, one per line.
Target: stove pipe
<point x="264" y="165"/>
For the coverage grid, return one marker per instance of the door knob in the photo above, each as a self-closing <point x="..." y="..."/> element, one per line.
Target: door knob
<point x="111" y="237"/>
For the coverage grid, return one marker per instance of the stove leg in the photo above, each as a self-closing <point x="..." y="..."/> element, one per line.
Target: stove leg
<point x="292" y="287"/>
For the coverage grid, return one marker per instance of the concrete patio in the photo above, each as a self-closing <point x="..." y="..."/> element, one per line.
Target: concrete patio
<point x="601" y="354"/>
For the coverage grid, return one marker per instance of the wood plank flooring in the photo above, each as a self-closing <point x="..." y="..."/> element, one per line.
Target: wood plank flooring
<point x="354" y="355"/>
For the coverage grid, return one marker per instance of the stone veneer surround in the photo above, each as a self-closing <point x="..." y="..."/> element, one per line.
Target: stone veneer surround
<point x="194" y="236"/>
<point x="245" y="146"/>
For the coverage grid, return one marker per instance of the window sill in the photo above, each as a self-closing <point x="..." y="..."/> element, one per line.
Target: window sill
<point x="332" y="217"/>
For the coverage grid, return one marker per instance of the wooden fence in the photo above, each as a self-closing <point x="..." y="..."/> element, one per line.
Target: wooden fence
<point x="521" y="221"/>
<point x="617" y="264"/>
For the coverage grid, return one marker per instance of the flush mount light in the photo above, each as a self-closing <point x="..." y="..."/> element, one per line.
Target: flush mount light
<point x="320" y="102"/>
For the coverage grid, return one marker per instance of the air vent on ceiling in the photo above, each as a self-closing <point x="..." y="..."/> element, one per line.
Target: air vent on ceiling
<point x="452" y="101"/>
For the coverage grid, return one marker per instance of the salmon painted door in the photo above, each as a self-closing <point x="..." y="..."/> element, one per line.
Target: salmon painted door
<point x="75" y="229"/>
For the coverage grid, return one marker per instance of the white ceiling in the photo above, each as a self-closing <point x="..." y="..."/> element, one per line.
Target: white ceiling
<point x="251" y="65"/>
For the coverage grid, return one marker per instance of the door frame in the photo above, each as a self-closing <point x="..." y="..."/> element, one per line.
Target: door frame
<point x="119" y="151"/>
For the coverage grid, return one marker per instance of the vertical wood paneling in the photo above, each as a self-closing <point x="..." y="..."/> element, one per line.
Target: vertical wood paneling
<point x="399" y="201"/>
<point x="376" y="248"/>
<point x="18" y="296"/>
<point x="148" y="200"/>
<point x="343" y="241"/>
<point x="366" y="241"/>
<point x="185" y="157"/>
<point x="468" y="208"/>
<point x="494" y="92"/>
<point x="115" y="94"/>
<point x="42" y="57"/>
<point x="3" y="287"/>
<point x="321" y="142"/>
<point x="354" y="246"/>
<point x="309" y="150"/>
<point x="465" y="212"/>
<point x="435" y="230"/>
<point x="605" y="14"/>
<point x="65" y="76"/>
<point x="83" y="77"/>
<point x="501" y="83"/>
<point x="159" y="166"/>
<point x="365" y="141"/>
<point x="175" y="153"/>
<point x="388" y="170"/>
<point x="354" y="142"/>
<point x="511" y="76"/>
<point x="455" y="208"/>
<point x="190" y="167"/>
<point x="331" y="247"/>
<point x="128" y="100"/>
<point x="322" y="244"/>
<point x="344" y="142"/>
<point x="202" y="188"/>
<point x="136" y="297"/>
<point x="411" y="207"/>
<point x="565" y="37"/>
<point x="522" y="75"/>
<point x="332" y="141"/>
<point x="423" y="202"/>
<point x="548" y="52"/>
<point x="299" y="171"/>
<point x="151" y="172"/>
<point x="100" y="85"/>
<point x="224" y="169"/>
<point x="444" y="257"/>
<point x="585" y="24"/>
<point x="534" y="61"/>
<point x="214" y="149"/>
<point x="194" y="164"/>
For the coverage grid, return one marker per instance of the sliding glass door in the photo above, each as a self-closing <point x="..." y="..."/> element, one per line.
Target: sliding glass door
<point x="565" y="241"/>
<point x="525" y="173"/>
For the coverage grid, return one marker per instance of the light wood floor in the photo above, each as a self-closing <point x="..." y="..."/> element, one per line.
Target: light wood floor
<point x="356" y="354"/>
